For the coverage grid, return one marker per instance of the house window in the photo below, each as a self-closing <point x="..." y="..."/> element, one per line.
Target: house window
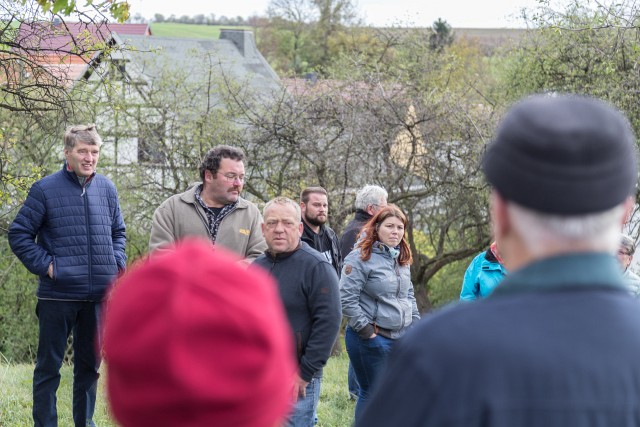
<point x="151" y="143"/>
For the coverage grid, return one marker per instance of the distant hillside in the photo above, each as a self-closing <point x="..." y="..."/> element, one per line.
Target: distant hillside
<point x="487" y="38"/>
<point x="188" y="31"/>
<point x="490" y="38"/>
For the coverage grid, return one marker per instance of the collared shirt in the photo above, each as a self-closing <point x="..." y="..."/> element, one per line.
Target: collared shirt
<point x="214" y="215"/>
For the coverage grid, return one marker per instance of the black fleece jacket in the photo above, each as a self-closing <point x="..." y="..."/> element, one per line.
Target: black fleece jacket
<point x="326" y="242"/>
<point x="308" y="286"/>
<point x="349" y="236"/>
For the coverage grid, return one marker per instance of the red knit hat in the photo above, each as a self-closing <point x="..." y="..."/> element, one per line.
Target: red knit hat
<point x="191" y="338"/>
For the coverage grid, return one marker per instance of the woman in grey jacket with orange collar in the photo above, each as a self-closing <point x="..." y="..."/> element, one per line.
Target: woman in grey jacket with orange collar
<point x="377" y="296"/>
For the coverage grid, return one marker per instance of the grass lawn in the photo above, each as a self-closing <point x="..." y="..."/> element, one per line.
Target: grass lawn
<point x="335" y="408"/>
<point x="188" y="31"/>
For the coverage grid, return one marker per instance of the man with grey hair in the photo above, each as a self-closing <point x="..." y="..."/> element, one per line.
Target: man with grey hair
<point x="369" y="200"/>
<point x="308" y="287"/>
<point x="71" y="234"/>
<point x="557" y="342"/>
<point x="212" y="209"/>
<point x="625" y="256"/>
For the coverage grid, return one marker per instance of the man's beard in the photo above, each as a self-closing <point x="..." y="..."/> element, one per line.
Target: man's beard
<point x="314" y="221"/>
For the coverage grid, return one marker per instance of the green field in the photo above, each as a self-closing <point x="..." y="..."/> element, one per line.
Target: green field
<point x="189" y="31"/>
<point x="335" y="408"/>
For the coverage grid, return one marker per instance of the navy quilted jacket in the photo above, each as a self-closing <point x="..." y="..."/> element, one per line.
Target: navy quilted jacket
<point x="79" y="229"/>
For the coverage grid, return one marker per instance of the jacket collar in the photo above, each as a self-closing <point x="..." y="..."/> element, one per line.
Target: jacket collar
<point x="362" y="215"/>
<point x="578" y="270"/>
<point x="309" y="232"/>
<point x="381" y="248"/>
<point x="490" y="262"/>
<point x="283" y="255"/>
<point x="489" y="256"/>
<point x="72" y="175"/>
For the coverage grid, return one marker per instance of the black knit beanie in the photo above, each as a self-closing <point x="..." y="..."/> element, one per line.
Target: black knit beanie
<point x="563" y="154"/>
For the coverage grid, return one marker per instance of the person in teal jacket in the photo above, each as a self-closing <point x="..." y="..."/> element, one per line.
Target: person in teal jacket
<point x="483" y="275"/>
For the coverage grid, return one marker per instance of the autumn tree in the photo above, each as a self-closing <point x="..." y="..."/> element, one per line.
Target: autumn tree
<point x="35" y="68"/>
<point x="28" y="47"/>
<point x="307" y="35"/>
<point x="334" y="15"/>
<point x="408" y="121"/>
<point x="585" y="48"/>
<point x="294" y="17"/>
<point x="441" y="36"/>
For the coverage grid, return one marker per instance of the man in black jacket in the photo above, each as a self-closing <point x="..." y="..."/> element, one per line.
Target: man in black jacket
<point x="369" y="200"/>
<point x="314" y="205"/>
<point x="308" y="287"/>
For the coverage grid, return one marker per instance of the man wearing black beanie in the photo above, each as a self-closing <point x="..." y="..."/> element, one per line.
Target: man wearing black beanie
<point x="558" y="341"/>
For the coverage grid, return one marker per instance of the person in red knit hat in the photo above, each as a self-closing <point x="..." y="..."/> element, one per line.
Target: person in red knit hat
<point x="191" y="338"/>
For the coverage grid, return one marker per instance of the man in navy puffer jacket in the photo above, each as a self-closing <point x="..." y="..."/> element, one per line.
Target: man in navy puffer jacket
<point x="71" y="234"/>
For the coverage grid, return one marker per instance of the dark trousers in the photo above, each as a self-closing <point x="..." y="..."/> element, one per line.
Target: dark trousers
<point x="57" y="319"/>
<point x="352" y="381"/>
<point x="368" y="358"/>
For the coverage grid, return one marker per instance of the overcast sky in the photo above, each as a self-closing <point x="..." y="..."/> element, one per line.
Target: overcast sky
<point x="458" y="13"/>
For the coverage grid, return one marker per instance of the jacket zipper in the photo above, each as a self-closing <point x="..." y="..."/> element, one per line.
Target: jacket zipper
<point x="203" y="218"/>
<point x="86" y="215"/>
<point x="398" y="279"/>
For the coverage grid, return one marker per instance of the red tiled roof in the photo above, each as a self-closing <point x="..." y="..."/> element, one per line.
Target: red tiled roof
<point x="47" y="37"/>
<point x="63" y="49"/>
<point x="132" y="29"/>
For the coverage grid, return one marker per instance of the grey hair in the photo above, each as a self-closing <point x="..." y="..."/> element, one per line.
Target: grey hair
<point x="85" y="133"/>
<point x="282" y="201"/>
<point x="595" y="231"/>
<point x="627" y="244"/>
<point x="370" y="195"/>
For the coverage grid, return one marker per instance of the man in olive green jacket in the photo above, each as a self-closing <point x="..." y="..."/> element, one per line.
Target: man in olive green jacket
<point x="213" y="209"/>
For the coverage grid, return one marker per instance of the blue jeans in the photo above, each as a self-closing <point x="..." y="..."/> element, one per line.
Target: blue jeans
<point x="57" y="319"/>
<point x="368" y="358"/>
<point x="352" y="381"/>
<point x="304" y="410"/>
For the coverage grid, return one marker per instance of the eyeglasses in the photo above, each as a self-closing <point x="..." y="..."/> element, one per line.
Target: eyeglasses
<point x="232" y="177"/>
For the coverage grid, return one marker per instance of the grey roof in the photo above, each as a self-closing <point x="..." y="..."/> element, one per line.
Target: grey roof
<point x="236" y="56"/>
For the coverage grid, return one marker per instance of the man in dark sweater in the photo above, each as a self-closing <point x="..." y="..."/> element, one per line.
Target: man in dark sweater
<point x="557" y="343"/>
<point x="308" y="287"/>
<point x="314" y="204"/>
